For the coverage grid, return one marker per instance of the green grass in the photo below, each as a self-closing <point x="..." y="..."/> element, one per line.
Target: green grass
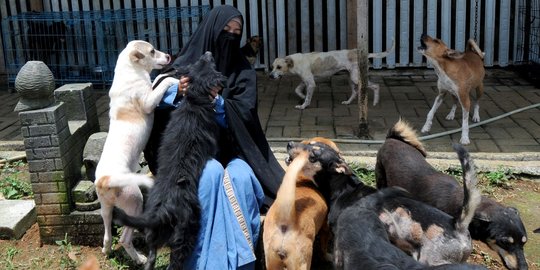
<point x="14" y="183"/>
<point x="367" y="176"/>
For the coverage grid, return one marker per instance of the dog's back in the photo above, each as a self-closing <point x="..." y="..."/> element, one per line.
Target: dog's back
<point x="294" y="219"/>
<point x="365" y="223"/>
<point x="401" y="161"/>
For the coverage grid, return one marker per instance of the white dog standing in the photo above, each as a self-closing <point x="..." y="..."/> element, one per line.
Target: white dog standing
<point x="310" y="66"/>
<point x="131" y="117"/>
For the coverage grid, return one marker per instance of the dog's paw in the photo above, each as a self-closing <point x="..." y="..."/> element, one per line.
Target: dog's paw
<point x="106" y="250"/>
<point x="476" y="119"/>
<point x="329" y="257"/>
<point x="464" y="140"/>
<point x="450" y="116"/>
<point x="300" y="107"/>
<point x="346" y="102"/>
<point x="425" y="128"/>
<point x="141" y="259"/>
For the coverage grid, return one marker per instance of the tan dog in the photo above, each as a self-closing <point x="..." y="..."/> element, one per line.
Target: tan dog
<point x="131" y="117"/>
<point x="311" y="66"/>
<point x="251" y="48"/>
<point x="458" y="74"/>
<point x="296" y="216"/>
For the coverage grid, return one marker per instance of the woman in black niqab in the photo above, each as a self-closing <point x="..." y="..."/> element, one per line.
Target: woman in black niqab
<point x="243" y="150"/>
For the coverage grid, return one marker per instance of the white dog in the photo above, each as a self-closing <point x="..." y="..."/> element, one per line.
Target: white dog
<point x="131" y="117"/>
<point x="310" y="66"/>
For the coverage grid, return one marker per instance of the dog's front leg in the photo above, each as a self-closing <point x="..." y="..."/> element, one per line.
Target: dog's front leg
<point x="152" y="98"/>
<point x="354" y="86"/>
<point x="300" y="90"/>
<point x="431" y="114"/>
<point x="309" y="93"/>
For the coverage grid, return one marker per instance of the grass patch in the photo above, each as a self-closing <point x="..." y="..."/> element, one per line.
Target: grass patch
<point x="14" y="181"/>
<point x="367" y="176"/>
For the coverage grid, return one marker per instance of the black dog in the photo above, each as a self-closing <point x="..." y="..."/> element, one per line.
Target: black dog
<point x="44" y="40"/>
<point x="251" y="48"/>
<point x="365" y="221"/>
<point x="401" y="162"/>
<point x="172" y="211"/>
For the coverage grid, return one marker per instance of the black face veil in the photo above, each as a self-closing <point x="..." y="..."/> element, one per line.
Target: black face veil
<point x="210" y="36"/>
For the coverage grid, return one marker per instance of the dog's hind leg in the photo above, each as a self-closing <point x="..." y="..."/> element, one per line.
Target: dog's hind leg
<point x="126" y="242"/>
<point x="106" y="215"/>
<point x="431" y="114"/>
<point x="476" y="108"/>
<point x="375" y="88"/>
<point x="131" y="201"/>
<point x="452" y="112"/>
<point x="465" y="109"/>
<point x="152" y="254"/>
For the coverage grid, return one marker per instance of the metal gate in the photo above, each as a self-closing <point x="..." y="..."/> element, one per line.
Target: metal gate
<point x="291" y="26"/>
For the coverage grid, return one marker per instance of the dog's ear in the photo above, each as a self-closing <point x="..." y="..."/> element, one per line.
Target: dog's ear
<point x="453" y="54"/>
<point x="482" y="215"/>
<point x="135" y="56"/>
<point x="289" y="62"/>
<point x="343" y="168"/>
<point x="537" y="230"/>
<point x="330" y="159"/>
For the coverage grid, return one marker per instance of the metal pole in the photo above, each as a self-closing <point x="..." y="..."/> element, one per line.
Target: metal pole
<point x="362" y="48"/>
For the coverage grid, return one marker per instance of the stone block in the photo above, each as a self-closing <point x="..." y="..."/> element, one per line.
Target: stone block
<point x="84" y="192"/>
<point x="72" y="95"/>
<point x="17" y="217"/>
<point x="43" y="153"/>
<point x="37" y="142"/>
<point x="43" y="165"/>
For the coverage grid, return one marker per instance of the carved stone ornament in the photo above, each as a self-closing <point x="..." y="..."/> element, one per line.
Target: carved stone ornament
<point x="35" y="85"/>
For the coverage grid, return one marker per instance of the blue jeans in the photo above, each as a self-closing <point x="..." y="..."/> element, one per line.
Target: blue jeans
<point x="221" y="243"/>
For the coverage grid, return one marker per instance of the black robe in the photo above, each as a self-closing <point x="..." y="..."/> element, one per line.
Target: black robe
<point x="244" y="136"/>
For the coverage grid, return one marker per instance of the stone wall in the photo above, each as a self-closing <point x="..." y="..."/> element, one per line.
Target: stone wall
<point x="54" y="138"/>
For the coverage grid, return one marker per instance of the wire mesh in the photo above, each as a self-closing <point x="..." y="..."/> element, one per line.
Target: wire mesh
<point x="82" y="46"/>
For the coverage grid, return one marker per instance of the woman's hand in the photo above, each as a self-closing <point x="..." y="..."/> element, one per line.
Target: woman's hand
<point x="183" y="85"/>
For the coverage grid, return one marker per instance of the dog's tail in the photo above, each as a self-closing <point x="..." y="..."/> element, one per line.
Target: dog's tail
<point x="140" y="222"/>
<point x="471" y="194"/>
<point x="286" y="196"/>
<point x="385" y="53"/>
<point x="122" y="180"/>
<point x="404" y="132"/>
<point x="473" y="47"/>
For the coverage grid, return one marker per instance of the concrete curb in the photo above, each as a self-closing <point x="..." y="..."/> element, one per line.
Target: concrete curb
<point x="525" y="163"/>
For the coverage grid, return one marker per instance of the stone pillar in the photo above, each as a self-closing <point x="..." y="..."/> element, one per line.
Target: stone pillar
<point x="54" y="138"/>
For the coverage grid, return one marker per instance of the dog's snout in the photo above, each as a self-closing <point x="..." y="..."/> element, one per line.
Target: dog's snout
<point x="290" y="145"/>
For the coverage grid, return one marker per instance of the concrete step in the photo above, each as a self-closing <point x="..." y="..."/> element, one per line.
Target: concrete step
<point x="17" y="217"/>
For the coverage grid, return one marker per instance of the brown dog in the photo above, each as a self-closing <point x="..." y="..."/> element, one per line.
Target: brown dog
<point x="296" y="216"/>
<point x="458" y="73"/>
<point x="401" y="162"/>
<point x="251" y="48"/>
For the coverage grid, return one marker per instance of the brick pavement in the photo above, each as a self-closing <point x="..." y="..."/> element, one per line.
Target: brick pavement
<point x="407" y="93"/>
